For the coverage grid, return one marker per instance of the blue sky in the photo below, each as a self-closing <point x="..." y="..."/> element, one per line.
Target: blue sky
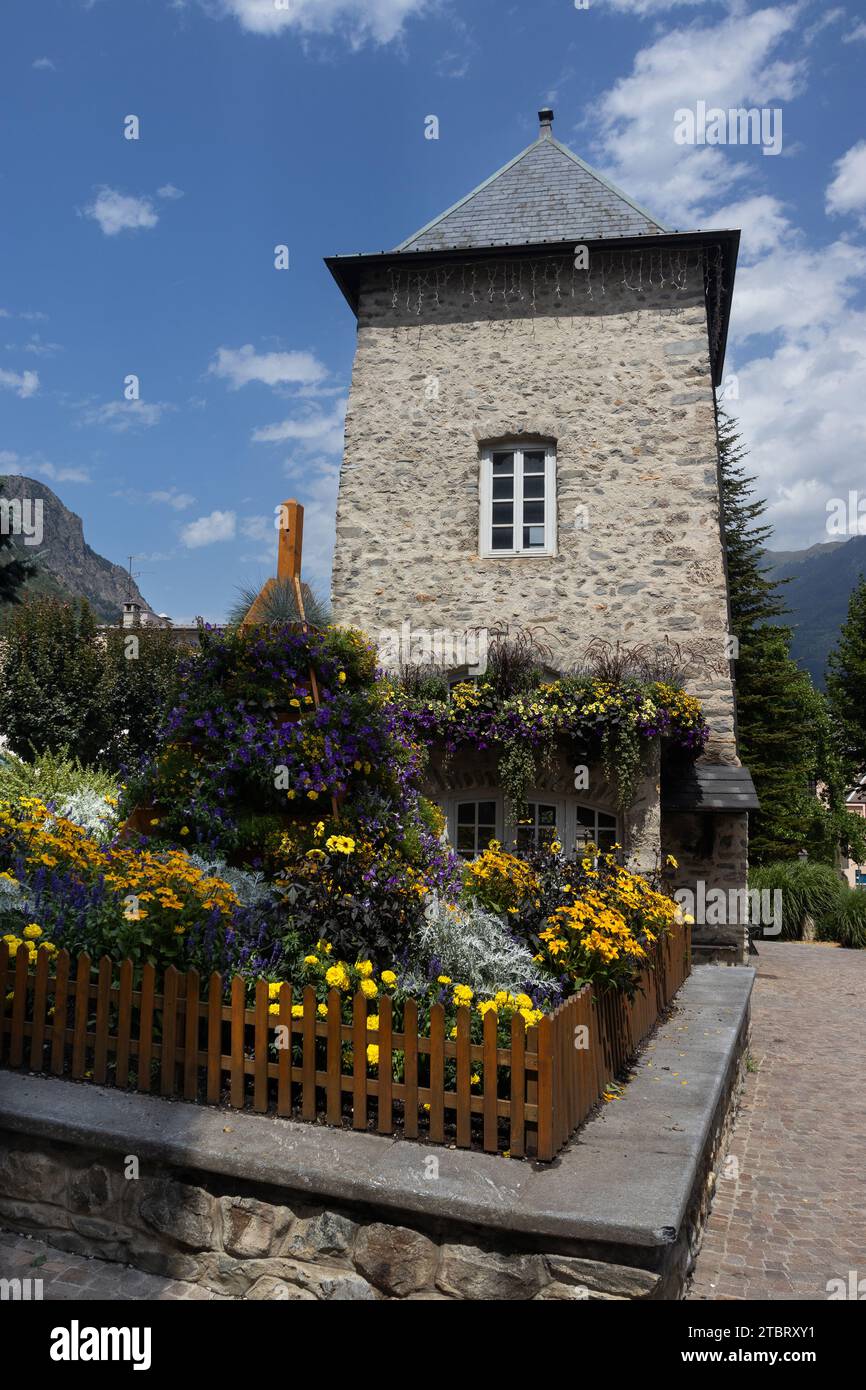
<point x="302" y="122"/>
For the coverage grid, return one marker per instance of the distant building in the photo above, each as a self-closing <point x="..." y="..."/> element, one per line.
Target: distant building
<point x="137" y="617"/>
<point x="856" y="803"/>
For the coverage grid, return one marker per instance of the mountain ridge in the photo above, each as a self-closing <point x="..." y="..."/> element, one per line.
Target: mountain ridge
<point x="820" y="580"/>
<point x="67" y="567"/>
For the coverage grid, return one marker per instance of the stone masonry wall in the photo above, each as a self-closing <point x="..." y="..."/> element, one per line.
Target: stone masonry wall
<point x="712" y="849"/>
<point x="283" y="1246"/>
<point x="621" y="382"/>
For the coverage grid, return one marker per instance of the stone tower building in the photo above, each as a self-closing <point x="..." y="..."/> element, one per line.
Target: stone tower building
<point x="531" y="443"/>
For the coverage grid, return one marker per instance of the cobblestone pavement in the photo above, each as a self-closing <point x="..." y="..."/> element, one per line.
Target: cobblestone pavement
<point x="791" y="1214"/>
<point x="72" y="1278"/>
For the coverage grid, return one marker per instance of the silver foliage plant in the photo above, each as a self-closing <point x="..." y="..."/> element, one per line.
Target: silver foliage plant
<point x="91" y="811"/>
<point x="474" y="947"/>
<point x="250" y="887"/>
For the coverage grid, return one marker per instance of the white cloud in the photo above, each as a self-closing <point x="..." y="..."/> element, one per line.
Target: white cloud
<point x="34" y="466"/>
<point x="43" y="65"/>
<point x="179" y="501"/>
<point x="240" y="366"/>
<point x="856" y="34"/>
<point x="311" y="432"/>
<point x="38" y="347"/>
<point x="118" y="212"/>
<point x="360" y="20"/>
<point x="731" y="64"/>
<point x="644" y="8"/>
<point x="217" y="526"/>
<point x="24" y="384"/>
<point x="800" y="402"/>
<point x="847" y="192"/>
<point x="126" y="415"/>
<point x="762" y="221"/>
<point x="794" y="291"/>
<point x="168" y="190"/>
<point x="259" y="528"/>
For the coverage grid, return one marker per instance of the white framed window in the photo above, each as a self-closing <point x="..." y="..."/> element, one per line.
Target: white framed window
<point x="474" y="820"/>
<point x="599" y="827"/>
<point x="538" y="824"/>
<point x="518" y="500"/>
<point x="475" y="825"/>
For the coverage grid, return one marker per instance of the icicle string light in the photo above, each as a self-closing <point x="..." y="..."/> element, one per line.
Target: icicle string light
<point x="530" y="280"/>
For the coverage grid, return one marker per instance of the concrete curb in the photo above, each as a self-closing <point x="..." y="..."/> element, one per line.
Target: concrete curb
<point x="625" y="1181"/>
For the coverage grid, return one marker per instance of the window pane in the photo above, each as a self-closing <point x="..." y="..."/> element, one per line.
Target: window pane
<point x="465" y="839"/>
<point x="606" y="839"/>
<point x="487" y="813"/>
<point x="532" y="512"/>
<point x="525" y="837"/>
<point x="586" y="816"/>
<point x="547" y="815"/>
<point x="504" y="487"/>
<point x="533" y="462"/>
<point x="606" y="820"/>
<point x="503" y="463"/>
<point x="466" y="813"/>
<point x="503" y="513"/>
<point x="533" y="537"/>
<point x="503" y="538"/>
<point x="533" y="486"/>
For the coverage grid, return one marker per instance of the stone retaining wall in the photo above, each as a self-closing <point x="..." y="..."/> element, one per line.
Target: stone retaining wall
<point x="183" y="1226"/>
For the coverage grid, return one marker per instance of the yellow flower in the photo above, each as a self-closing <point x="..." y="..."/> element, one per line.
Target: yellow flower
<point x="322" y="1010"/>
<point x="154" y="822"/>
<point x="671" y="862"/>
<point x="184" y="830"/>
<point x="297" y="1011"/>
<point x="443" y="979"/>
<point x="463" y="995"/>
<point x="274" y="988"/>
<point x="273" y="1008"/>
<point x="373" y="1054"/>
<point x="337" y="976"/>
<point x="32" y="931"/>
<point x="341" y="677"/>
<point x="389" y="978"/>
<point x="311" y="960"/>
<point x="340" y="844"/>
<point x="314" y="796"/>
<point x="364" y="968"/>
<point x="373" y="1022"/>
<point x="368" y="988"/>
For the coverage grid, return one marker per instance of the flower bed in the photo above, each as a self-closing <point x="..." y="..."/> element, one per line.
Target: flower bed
<point x="523" y="1093"/>
<point x="287" y="846"/>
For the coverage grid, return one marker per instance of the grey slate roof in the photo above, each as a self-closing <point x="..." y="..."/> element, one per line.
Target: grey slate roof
<point x="546" y="193"/>
<point x="710" y="787"/>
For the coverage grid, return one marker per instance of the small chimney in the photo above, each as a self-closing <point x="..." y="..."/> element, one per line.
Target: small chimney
<point x="545" y="120"/>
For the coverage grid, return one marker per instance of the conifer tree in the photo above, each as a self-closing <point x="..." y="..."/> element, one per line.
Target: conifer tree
<point x="783" y="726"/>
<point x="846" y="686"/>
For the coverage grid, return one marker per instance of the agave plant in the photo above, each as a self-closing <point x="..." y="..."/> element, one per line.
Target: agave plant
<point x="280" y="605"/>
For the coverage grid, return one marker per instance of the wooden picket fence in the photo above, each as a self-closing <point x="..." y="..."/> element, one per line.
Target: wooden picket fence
<point x="103" y="1026"/>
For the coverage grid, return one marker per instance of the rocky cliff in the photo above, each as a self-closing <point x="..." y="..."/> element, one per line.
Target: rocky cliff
<point x="65" y="564"/>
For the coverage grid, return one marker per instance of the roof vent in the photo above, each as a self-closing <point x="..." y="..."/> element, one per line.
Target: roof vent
<point x="545" y="119"/>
